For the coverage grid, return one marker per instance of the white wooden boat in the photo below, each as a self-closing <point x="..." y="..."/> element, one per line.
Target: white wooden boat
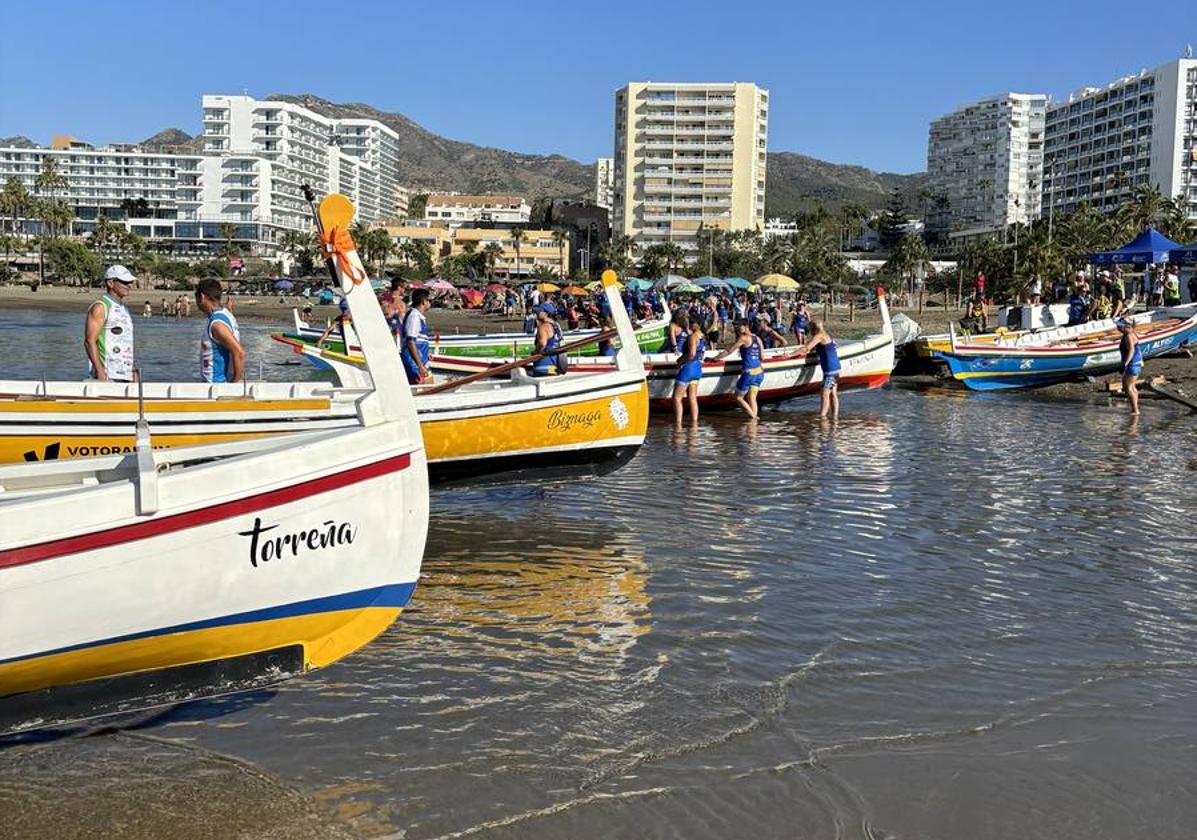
<point x="866" y="363"/>
<point x="498" y="428"/>
<point x="136" y="579"/>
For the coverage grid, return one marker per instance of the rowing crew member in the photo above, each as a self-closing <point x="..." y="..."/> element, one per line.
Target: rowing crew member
<point x="800" y="323"/>
<point x="691" y="346"/>
<point x="752" y="371"/>
<point x="108" y="330"/>
<point x="548" y="339"/>
<point x="829" y="360"/>
<point x="1132" y="362"/>
<point x="222" y="359"/>
<point x="416" y="346"/>
<point x="675" y="332"/>
<point x="338" y="323"/>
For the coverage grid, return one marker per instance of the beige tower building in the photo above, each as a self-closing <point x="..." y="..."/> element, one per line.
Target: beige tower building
<point x="688" y="156"/>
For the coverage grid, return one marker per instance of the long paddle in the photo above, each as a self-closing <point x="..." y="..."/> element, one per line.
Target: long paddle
<point x="503" y="368"/>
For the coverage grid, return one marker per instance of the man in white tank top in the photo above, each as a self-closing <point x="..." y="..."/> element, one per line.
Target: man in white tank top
<point x="108" y="330"/>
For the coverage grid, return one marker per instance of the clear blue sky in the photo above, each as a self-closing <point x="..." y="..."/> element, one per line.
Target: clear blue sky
<point x="852" y="82"/>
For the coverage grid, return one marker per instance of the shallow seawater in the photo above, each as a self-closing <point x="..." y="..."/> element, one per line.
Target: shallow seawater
<point x="942" y="616"/>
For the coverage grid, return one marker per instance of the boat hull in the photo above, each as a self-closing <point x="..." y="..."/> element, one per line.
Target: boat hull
<point x="205" y="583"/>
<point x="1002" y="368"/>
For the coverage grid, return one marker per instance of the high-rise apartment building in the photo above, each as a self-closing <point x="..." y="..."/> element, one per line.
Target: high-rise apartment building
<point x="1104" y="143"/>
<point x="688" y="157"/>
<point x="985" y="165"/>
<point x="255" y="157"/>
<point x="604" y="182"/>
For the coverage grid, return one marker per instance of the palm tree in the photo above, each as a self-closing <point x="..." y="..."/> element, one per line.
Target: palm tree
<point x="15" y="203"/>
<point x="561" y="239"/>
<point x="1174" y="220"/>
<point x="518" y="237"/>
<point x="491" y="252"/>
<point x="228" y="230"/>
<point x="1142" y="210"/>
<point x="101" y="235"/>
<point x="48" y="183"/>
<point x="908" y="258"/>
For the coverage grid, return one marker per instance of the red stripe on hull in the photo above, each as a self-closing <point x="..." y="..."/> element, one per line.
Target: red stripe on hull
<point x="181" y="521"/>
<point x="727" y="400"/>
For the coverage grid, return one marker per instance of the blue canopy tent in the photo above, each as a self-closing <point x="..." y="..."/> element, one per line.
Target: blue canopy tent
<point x="1185" y="254"/>
<point x="1150" y="246"/>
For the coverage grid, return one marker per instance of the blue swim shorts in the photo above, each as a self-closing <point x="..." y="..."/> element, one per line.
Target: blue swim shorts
<point x="829" y="380"/>
<point x="749" y="380"/>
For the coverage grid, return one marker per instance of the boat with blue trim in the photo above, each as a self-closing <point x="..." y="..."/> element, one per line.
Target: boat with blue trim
<point x="1057" y="355"/>
<point x="150" y="577"/>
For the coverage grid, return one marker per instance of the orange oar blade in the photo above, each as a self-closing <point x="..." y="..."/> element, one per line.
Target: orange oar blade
<point x="336" y="211"/>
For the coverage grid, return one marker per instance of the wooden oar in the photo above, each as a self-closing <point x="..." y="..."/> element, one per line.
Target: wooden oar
<point x="504" y="368"/>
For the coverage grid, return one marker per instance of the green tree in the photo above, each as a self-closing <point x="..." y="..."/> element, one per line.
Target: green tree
<point x="893" y="221"/>
<point x="15" y="203"/>
<point x="300" y="247"/>
<point x="416" y="206"/>
<point x="376" y="246"/>
<point x="71" y="261"/>
<point x="1174" y="220"/>
<point x="228" y="231"/>
<point x="908" y="260"/>
<point x="561" y="239"/>
<point x="518" y="237"/>
<point x="50" y="208"/>
<point x="491" y="252"/>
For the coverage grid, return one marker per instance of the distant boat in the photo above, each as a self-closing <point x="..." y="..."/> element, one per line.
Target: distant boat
<point x="1057" y="355"/>
<point x="151" y="577"/>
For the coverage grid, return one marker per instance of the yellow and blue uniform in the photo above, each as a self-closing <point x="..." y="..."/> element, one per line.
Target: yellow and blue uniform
<point x="1132" y="362"/>
<point x="415" y="327"/>
<point x="752" y="372"/>
<point x="690" y="370"/>
<point x="547" y="365"/>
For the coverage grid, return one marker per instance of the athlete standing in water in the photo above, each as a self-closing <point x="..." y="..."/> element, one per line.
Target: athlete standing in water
<point x="752" y="372"/>
<point x="1132" y="362"/>
<point x="690" y="348"/>
<point x="829" y="360"/>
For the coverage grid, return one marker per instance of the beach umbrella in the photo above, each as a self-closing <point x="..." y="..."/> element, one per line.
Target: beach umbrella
<point x="472" y="297"/>
<point x="378" y="284"/>
<point x="441" y="285"/>
<point x="548" y="287"/>
<point x="638" y="284"/>
<point x="574" y="290"/>
<point x="688" y="289"/>
<point x="712" y="283"/>
<point x="282" y="285"/>
<point x="596" y="286"/>
<point x="671" y="281"/>
<point x="496" y="287"/>
<point x="736" y="282"/>
<point x="777" y="281"/>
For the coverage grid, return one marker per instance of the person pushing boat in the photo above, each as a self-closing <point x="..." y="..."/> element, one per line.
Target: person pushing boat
<point x="222" y="359"/>
<point x="416" y="345"/>
<point x="690" y="349"/>
<point x="108" y="330"/>
<point x="548" y="339"/>
<point x="829" y="360"/>
<point x="1132" y="362"/>
<point x="752" y="370"/>
<point x="675" y="333"/>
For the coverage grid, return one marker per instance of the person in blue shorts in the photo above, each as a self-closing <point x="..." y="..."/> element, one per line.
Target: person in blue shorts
<point x="690" y="348"/>
<point x="1132" y="362"/>
<point x="752" y="370"/>
<point x="829" y="361"/>
<point x="800" y="323"/>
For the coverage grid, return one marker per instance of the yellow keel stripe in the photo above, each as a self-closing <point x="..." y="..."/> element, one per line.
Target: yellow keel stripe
<point x="325" y="637"/>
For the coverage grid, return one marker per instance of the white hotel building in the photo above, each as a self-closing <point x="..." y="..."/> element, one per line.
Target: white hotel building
<point x="986" y="160"/>
<point x="256" y="156"/>
<point x="1103" y="143"/>
<point x="688" y="156"/>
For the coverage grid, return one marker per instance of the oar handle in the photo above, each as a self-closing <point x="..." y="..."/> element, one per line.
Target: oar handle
<point x="503" y="368"/>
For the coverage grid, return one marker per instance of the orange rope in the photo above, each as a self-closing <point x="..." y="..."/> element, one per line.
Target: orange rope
<point x="337" y="245"/>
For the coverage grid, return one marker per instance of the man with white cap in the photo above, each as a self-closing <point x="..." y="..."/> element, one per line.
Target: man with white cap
<point x="108" y="330"/>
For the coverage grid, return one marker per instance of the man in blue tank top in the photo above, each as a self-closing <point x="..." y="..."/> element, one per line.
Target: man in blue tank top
<point x="829" y="362"/>
<point x="222" y="359"/>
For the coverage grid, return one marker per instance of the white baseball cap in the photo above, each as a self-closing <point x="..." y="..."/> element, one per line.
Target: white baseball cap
<point x="119" y="272"/>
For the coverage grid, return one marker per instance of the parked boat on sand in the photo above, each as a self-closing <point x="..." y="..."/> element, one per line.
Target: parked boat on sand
<point x="1057" y="355"/>
<point x="157" y="576"/>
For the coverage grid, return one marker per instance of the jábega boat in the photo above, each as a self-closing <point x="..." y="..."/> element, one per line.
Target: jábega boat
<point x="1057" y="355"/>
<point x="865" y="363"/>
<point x="649" y="336"/>
<point x="150" y="577"/>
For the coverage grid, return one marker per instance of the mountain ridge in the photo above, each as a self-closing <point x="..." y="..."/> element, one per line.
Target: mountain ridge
<point x="428" y="161"/>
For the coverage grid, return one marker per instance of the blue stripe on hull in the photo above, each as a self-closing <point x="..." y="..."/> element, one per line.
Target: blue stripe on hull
<point x="391" y="595"/>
